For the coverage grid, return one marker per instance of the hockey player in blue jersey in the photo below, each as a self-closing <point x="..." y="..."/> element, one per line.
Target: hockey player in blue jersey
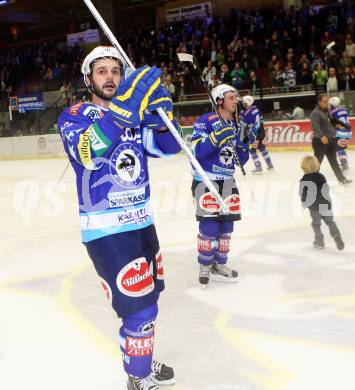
<point x="340" y="117"/>
<point x="251" y="118"/>
<point x="108" y="141"/>
<point x="215" y="140"/>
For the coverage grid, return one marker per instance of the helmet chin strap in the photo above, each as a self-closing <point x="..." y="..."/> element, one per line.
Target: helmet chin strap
<point x="88" y="83"/>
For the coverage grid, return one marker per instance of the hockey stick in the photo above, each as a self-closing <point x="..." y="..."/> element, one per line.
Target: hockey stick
<point x="64" y="172"/>
<point x="185" y="57"/>
<point x="160" y="111"/>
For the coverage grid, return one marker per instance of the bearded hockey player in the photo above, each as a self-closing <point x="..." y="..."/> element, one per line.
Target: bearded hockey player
<point x="340" y="118"/>
<point x="108" y="142"/>
<point x="215" y="141"/>
<point x="251" y="118"/>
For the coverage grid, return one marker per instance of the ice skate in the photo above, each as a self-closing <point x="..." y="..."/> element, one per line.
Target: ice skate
<point x="204" y="276"/>
<point x="346" y="182"/>
<point x="222" y="273"/>
<point x="257" y="171"/>
<point x="345" y="167"/>
<point x="147" y="383"/>
<point x="339" y="242"/>
<point x="270" y="168"/>
<point x="319" y="244"/>
<point x="163" y="374"/>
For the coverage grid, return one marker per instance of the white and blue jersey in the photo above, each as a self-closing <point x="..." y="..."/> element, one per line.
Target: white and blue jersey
<point x="110" y="163"/>
<point x="218" y="163"/>
<point x="251" y="119"/>
<point x="341" y="114"/>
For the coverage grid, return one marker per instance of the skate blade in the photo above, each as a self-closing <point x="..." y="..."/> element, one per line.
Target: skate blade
<point x="223" y="279"/>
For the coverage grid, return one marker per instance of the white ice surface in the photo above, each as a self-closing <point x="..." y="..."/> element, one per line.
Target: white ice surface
<point x="289" y="323"/>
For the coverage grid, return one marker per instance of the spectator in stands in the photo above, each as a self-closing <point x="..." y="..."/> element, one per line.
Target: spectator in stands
<point x="238" y="76"/>
<point x="297" y="113"/>
<point x="350" y="47"/>
<point x="57" y="72"/>
<point x="273" y="61"/>
<point x="320" y="78"/>
<point x="220" y="57"/>
<point x="278" y="77"/>
<point x="305" y="75"/>
<point x="64" y="91"/>
<point x="316" y="61"/>
<point x="332" y="83"/>
<point x="347" y="80"/>
<point x="266" y="51"/>
<point x="290" y="76"/>
<point x="169" y="86"/>
<point x="183" y="88"/>
<point x="253" y="83"/>
<point x="345" y="61"/>
<point x="49" y="74"/>
<point x="209" y="71"/>
<point x="303" y="59"/>
<point x="215" y="81"/>
<point x="224" y="75"/>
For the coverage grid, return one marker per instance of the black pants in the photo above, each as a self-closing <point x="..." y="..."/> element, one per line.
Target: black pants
<point x="316" y="222"/>
<point x="329" y="150"/>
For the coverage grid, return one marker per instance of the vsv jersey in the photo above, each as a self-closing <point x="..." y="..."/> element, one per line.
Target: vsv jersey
<point x="218" y="163"/>
<point x="110" y="163"/>
<point x="251" y="120"/>
<point x="341" y="114"/>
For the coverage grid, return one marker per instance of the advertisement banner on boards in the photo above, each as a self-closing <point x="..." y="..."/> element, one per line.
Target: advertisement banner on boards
<point x="283" y="134"/>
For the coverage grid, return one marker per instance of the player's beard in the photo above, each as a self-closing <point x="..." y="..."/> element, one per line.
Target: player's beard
<point x="99" y="92"/>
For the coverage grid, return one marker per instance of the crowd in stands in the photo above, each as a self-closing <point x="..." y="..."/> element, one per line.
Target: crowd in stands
<point x="277" y="49"/>
<point x="45" y="61"/>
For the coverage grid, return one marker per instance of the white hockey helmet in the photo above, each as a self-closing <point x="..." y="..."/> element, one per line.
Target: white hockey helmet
<point x="219" y="91"/>
<point x="334" y="101"/>
<point x="97" y="53"/>
<point x="248" y="100"/>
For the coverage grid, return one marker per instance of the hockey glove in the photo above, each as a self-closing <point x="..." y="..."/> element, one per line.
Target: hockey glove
<point x="249" y="134"/>
<point x="161" y="98"/>
<point x="133" y="95"/>
<point x="242" y="149"/>
<point x="153" y="121"/>
<point x="219" y="137"/>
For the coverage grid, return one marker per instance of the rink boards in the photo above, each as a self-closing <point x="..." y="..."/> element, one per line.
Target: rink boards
<point x="279" y="136"/>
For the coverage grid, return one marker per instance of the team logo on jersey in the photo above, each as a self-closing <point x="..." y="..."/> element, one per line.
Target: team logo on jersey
<point x="226" y="155"/>
<point x="209" y="203"/>
<point x="135" y="279"/>
<point x="107" y="289"/>
<point x="233" y="203"/>
<point x="127" y="160"/>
